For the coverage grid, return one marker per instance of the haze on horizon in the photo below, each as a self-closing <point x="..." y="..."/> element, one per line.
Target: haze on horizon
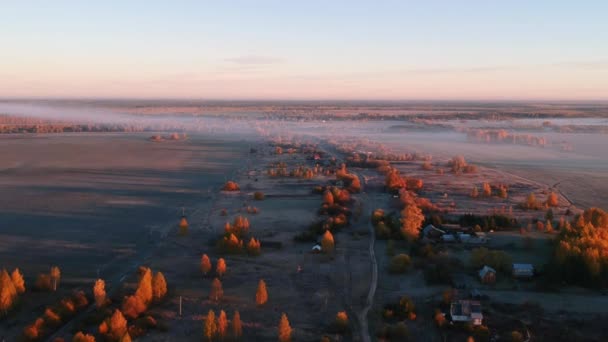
<point x="389" y="50"/>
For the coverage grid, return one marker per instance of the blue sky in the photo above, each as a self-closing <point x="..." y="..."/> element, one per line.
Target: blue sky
<point x="305" y="49"/>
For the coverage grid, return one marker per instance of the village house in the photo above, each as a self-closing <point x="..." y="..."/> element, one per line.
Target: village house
<point x="465" y="311"/>
<point x="487" y="275"/>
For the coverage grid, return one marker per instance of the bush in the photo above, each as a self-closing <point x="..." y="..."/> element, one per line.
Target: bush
<point x="231" y="186"/>
<point x="400" y="263"/>
<point x="258" y="196"/>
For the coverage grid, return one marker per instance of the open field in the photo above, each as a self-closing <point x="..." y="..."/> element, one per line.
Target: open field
<point x="102" y="204"/>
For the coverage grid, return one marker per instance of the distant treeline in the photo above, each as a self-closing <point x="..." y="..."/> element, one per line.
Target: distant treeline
<point x="17" y="124"/>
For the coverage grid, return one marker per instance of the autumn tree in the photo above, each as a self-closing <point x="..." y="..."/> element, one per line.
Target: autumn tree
<point x="237" y="327"/>
<point x="261" y="295"/>
<point x="205" y="264"/>
<point x="552" y="199"/>
<point x="394" y="181"/>
<point x="210" y="325"/>
<point x="411" y="221"/>
<point x="183" y="225"/>
<point x="55" y="277"/>
<point x="222" y="324"/>
<point x="133" y="306"/>
<point x="231" y="186"/>
<point x="400" y="263"/>
<point x="220" y="269"/>
<point x="474" y="192"/>
<point x="43" y="282"/>
<point x="115" y="327"/>
<point x="18" y="282"/>
<point x="159" y="286"/>
<point x="531" y="202"/>
<point x="82" y="337"/>
<point x="327" y="242"/>
<point x="341" y="321"/>
<point x="216" y="290"/>
<point x="99" y="292"/>
<point x="144" y="288"/>
<point x="284" y="329"/>
<point x="254" y="247"/>
<point x="328" y="198"/>
<point x="8" y="292"/>
<point x="502" y="192"/>
<point x="487" y="189"/>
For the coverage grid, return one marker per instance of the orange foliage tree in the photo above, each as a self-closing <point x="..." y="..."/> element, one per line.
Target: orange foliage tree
<point x="222" y="324"/>
<point x="159" y="286"/>
<point x="216" y="290"/>
<point x="144" y="288"/>
<point x="487" y="189"/>
<point x="8" y="292"/>
<point x="237" y="326"/>
<point x="55" y="277"/>
<point x="17" y="279"/>
<point x="328" y="198"/>
<point x="82" y="337"/>
<point x="231" y="186"/>
<point x="220" y="269"/>
<point x="284" y="329"/>
<point x="261" y="295"/>
<point x="475" y="192"/>
<point x="99" y="292"/>
<point x="394" y="181"/>
<point x="327" y="242"/>
<point x="115" y="327"/>
<point x="254" y="247"/>
<point x="210" y="325"/>
<point x="205" y="264"/>
<point x="411" y="221"/>
<point x="552" y="199"/>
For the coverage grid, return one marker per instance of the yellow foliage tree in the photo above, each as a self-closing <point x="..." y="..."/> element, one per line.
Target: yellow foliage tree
<point x="261" y="295"/>
<point x="205" y="264"/>
<point x="284" y="329"/>
<point x="99" y="292"/>
<point x="327" y="242"/>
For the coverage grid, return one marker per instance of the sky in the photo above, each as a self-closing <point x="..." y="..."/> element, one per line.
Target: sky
<point x="332" y="49"/>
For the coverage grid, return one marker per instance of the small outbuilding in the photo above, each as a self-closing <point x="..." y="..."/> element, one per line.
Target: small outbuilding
<point x="523" y="270"/>
<point x="487" y="275"/>
<point x="431" y="232"/>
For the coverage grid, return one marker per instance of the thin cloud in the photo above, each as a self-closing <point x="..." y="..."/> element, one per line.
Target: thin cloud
<point x="254" y="60"/>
